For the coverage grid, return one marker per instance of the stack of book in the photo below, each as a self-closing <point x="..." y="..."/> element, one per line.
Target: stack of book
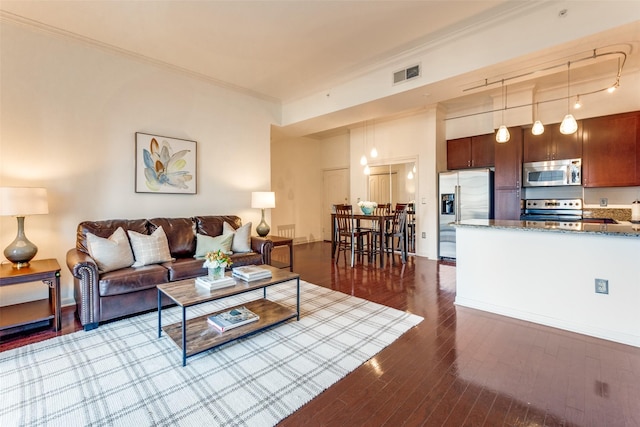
<point x="232" y="318"/>
<point x="251" y="272"/>
<point x="208" y="283"/>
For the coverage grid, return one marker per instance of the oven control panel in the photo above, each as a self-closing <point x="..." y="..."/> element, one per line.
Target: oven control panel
<point x="553" y="204"/>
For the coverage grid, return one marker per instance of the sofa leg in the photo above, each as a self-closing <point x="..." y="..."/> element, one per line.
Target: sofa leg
<point x="90" y="326"/>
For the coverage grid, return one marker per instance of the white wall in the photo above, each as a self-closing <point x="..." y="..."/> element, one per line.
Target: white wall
<point x="69" y="114"/>
<point x="296" y="174"/>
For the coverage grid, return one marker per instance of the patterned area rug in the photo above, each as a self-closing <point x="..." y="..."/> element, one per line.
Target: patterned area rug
<point x="122" y="374"/>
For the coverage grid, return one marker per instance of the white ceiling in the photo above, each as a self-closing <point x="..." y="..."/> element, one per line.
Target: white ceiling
<point x="278" y="50"/>
<point x="282" y="50"/>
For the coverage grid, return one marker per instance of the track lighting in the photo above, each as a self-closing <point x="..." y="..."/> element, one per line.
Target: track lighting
<point x="503" y="135"/>
<point x="569" y="124"/>
<point x="538" y="127"/>
<point x="578" y="103"/>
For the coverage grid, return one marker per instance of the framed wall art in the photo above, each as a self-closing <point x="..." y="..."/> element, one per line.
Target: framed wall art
<point x="165" y="165"/>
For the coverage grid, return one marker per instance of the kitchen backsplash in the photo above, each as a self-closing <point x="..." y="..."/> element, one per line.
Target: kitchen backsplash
<point x="613" y="213"/>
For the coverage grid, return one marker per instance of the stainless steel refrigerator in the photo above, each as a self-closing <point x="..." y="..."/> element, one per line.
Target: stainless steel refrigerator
<point x="466" y="194"/>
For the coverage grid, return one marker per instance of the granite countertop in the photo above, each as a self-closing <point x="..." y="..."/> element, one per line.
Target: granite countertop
<point x="626" y="229"/>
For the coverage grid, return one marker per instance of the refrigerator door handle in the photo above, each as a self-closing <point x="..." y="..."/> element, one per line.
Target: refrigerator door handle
<point x="457" y="203"/>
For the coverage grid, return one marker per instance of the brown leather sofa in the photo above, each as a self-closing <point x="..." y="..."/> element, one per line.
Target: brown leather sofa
<point x="114" y="294"/>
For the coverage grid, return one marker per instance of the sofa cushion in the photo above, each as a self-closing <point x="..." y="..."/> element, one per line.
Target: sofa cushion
<point x="212" y="225"/>
<point x="184" y="268"/>
<point x="131" y="279"/>
<point x="211" y="244"/>
<point x="241" y="237"/>
<point x="180" y="235"/>
<point x="105" y="229"/>
<point x="152" y="249"/>
<point x="111" y="253"/>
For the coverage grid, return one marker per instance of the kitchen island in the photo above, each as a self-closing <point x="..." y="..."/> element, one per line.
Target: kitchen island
<point x="545" y="272"/>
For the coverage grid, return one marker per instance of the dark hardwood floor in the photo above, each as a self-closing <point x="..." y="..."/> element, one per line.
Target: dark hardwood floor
<point x="459" y="367"/>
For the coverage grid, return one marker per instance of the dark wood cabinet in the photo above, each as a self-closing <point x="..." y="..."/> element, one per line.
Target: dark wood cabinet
<point x="507" y="204"/>
<point x="611" y="151"/>
<point x="508" y="176"/>
<point x="471" y="152"/>
<point x="552" y="145"/>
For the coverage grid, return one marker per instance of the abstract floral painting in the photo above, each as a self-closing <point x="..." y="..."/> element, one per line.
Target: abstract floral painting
<point x="165" y="165"/>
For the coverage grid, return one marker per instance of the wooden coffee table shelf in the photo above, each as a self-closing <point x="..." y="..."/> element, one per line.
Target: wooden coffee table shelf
<point x="195" y="335"/>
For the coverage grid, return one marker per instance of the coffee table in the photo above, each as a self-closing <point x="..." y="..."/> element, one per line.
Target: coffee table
<point x="196" y="335"/>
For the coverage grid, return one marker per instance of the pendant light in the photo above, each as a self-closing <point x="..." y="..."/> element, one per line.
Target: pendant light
<point x="367" y="170"/>
<point x="363" y="159"/>
<point x="569" y="124"/>
<point x="538" y="127"/>
<point x="503" y="135"/>
<point x="374" y="152"/>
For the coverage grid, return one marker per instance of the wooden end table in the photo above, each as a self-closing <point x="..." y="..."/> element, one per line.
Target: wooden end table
<point x="282" y="241"/>
<point x="23" y="316"/>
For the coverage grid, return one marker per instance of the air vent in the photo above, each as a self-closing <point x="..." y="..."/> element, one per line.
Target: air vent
<point x="406" y="74"/>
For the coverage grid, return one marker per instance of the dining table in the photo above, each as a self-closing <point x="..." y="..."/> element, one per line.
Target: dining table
<point x="384" y="220"/>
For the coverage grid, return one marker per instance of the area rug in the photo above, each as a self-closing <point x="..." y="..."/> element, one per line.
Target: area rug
<point x="122" y="374"/>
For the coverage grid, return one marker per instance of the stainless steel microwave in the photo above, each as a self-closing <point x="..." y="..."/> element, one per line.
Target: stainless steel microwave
<point x="552" y="173"/>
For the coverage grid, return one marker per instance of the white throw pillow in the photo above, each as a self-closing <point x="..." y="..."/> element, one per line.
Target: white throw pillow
<point x="151" y="249"/>
<point x="206" y="244"/>
<point x="110" y="254"/>
<point x="241" y="236"/>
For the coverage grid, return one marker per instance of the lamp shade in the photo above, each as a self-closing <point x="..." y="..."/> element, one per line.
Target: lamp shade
<point x="263" y="199"/>
<point x="23" y="201"/>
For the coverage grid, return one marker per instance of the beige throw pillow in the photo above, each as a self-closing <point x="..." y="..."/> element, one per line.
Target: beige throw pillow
<point x="241" y="237"/>
<point x="110" y="254"/>
<point x="206" y="244"/>
<point x="152" y="249"/>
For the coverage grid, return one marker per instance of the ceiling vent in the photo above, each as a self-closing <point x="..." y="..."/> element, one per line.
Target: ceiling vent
<point x="406" y="74"/>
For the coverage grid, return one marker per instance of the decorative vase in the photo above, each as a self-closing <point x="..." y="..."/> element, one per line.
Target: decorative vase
<point x="216" y="273"/>
<point x="366" y="210"/>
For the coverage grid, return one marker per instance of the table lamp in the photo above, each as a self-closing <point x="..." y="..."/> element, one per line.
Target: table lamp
<point x="263" y="200"/>
<point x="20" y="202"/>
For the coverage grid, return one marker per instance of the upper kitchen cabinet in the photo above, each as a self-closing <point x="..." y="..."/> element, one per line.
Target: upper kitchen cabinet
<point x="611" y="152"/>
<point x="552" y="145"/>
<point x="507" y="177"/>
<point x="470" y="152"/>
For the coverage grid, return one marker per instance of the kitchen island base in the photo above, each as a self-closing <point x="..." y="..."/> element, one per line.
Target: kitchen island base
<point x="549" y="277"/>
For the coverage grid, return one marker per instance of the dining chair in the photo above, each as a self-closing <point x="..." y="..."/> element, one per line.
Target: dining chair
<point x="398" y="231"/>
<point x="349" y="238"/>
<point x="378" y="229"/>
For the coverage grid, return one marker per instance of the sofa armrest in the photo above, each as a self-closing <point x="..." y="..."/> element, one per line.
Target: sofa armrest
<point x="86" y="277"/>
<point x="263" y="246"/>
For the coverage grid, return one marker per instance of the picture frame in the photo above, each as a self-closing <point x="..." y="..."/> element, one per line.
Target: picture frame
<point x="165" y="165"/>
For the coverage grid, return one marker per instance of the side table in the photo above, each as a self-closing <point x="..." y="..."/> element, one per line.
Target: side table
<point x="282" y="241"/>
<point x="20" y="316"/>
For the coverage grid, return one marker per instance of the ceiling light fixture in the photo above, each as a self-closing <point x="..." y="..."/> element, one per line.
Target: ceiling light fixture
<point x="569" y="124"/>
<point x="363" y="160"/>
<point x="578" y="103"/>
<point x="503" y="135"/>
<point x="367" y="170"/>
<point x="374" y="152"/>
<point x="538" y="127"/>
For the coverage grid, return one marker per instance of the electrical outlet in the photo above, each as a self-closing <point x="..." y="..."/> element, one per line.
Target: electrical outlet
<point x="424" y="234"/>
<point x="604" y="202"/>
<point x="602" y="286"/>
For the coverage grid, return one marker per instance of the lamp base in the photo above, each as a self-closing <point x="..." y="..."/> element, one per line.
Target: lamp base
<point x="21" y="250"/>
<point x="263" y="228"/>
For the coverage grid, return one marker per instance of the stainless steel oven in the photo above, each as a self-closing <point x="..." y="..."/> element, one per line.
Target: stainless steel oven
<point x="552" y="173"/>
<point x="552" y="210"/>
